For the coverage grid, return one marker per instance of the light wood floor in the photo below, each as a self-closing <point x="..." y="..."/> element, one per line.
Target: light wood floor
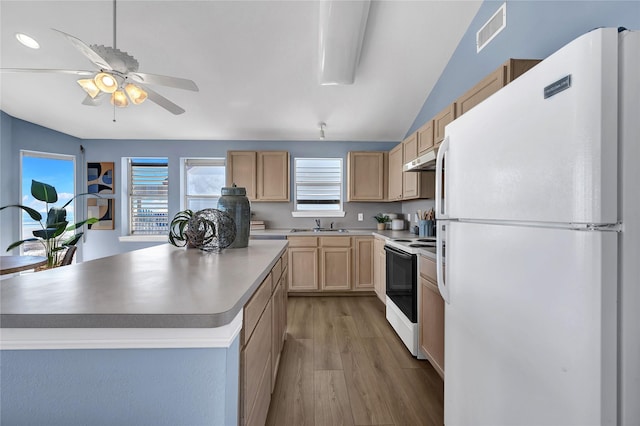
<point x="343" y="364"/>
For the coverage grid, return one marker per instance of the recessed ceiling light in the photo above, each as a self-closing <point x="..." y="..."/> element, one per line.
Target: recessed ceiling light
<point x="30" y="42"/>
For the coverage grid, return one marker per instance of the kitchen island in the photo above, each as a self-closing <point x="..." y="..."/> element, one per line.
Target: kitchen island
<point x="146" y="337"/>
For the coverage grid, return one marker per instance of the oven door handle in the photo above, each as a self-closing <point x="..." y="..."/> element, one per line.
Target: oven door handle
<point x="397" y="252"/>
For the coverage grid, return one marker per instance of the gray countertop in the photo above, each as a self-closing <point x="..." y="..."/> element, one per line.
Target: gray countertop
<point x="157" y="287"/>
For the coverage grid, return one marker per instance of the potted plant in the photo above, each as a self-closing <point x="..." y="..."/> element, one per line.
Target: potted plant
<point x="52" y="232"/>
<point x="382" y="220"/>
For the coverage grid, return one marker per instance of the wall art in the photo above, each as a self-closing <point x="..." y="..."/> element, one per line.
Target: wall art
<point x="102" y="208"/>
<point x="100" y="178"/>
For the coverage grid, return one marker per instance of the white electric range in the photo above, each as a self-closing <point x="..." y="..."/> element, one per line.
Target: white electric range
<point x="403" y="289"/>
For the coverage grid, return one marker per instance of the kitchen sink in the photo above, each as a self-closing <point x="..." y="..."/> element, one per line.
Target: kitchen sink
<point x="318" y="230"/>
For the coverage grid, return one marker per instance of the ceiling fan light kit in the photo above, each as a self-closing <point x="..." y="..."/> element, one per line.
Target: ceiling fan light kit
<point x="117" y="70"/>
<point x="136" y="94"/>
<point x="119" y="99"/>
<point x="89" y="86"/>
<point x="106" y="82"/>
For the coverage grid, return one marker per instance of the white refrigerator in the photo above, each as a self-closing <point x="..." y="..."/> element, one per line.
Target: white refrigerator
<point x="541" y="218"/>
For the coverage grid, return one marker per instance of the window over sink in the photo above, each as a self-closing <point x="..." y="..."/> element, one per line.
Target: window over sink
<point x="318" y="186"/>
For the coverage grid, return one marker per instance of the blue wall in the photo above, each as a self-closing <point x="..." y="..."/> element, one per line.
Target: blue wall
<point x="535" y="29"/>
<point x="120" y="387"/>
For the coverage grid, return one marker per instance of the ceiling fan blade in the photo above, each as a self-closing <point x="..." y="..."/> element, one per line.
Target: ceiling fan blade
<point x="36" y="70"/>
<point x="89" y="101"/>
<point x="163" y="102"/>
<point x="163" y="80"/>
<point x="86" y="51"/>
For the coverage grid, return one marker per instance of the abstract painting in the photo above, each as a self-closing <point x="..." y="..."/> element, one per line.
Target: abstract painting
<point x="102" y="208"/>
<point x="100" y="178"/>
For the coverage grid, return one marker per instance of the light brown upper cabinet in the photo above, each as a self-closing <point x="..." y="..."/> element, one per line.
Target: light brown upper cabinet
<point x="395" y="173"/>
<point x="265" y="174"/>
<point x="503" y="75"/>
<point x="425" y="137"/>
<point x="443" y="118"/>
<point x="410" y="185"/>
<point x="367" y="176"/>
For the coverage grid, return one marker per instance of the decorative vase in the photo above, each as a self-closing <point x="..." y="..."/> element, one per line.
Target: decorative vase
<point x="235" y="203"/>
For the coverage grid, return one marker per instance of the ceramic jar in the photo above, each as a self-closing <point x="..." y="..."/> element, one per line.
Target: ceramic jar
<point x="235" y="203"/>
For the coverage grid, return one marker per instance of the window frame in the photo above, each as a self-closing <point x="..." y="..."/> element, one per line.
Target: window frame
<point x="125" y="210"/>
<point x="205" y="161"/>
<point x="78" y="213"/>
<point x="318" y="213"/>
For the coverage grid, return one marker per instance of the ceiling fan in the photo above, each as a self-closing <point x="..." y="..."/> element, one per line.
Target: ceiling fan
<point x="118" y="76"/>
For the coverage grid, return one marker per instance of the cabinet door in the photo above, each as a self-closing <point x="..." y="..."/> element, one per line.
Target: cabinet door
<point x="380" y="269"/>
<point x="410" y="181"/>
<point x="272" y="176"/>
<point x="395" y="173"/>
<point x="303" y="269"/>
<point x="363" y="263"/>
<point x="481" y="91"/>
<point x="366" y="176"/>
<point x="335" y="268"/>
<point x="432" y="324"/>
<point x="445" y="117"/>
<point x="241" y="170"/>
<point x="425" y="137"/>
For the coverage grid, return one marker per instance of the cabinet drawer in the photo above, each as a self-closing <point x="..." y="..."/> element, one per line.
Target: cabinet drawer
<point x="256" y="357"/>
<point x="303" y="241"/>
<point x="335" y="241"/>
<point x="428" y="268"/>
<point x="254" y="307"/>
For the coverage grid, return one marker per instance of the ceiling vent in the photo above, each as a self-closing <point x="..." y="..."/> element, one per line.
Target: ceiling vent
<point x="492" y="28"/>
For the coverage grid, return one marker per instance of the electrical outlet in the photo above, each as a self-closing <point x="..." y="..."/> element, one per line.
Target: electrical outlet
<point x="360" y="217"/>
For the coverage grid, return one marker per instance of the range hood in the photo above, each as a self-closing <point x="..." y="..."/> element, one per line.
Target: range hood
<point x="426" y="161"/>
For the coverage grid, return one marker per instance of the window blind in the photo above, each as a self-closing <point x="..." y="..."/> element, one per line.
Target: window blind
<point x="318" y="184"/>
<point x="148" y="196"/>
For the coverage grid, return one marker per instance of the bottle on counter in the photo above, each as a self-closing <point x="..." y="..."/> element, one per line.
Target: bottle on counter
<point x="235" y="203"/>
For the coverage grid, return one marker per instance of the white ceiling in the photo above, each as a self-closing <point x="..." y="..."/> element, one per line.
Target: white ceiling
<point x="255" y="63"/>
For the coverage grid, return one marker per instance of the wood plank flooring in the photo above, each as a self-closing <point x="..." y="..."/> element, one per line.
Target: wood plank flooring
<point x="343" y="364"/>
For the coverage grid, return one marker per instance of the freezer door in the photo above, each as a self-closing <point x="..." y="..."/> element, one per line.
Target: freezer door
<point x="530" y="330"/>
<point x="520" y="156"/>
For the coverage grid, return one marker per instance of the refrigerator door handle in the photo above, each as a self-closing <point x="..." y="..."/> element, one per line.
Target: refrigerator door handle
<point x="442" y="286"/>
<point x="440" y="205"/>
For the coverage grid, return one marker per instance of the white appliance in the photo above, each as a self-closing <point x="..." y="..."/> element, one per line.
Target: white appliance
<point x="403" y="289"/>
<point x="541" y="219"/>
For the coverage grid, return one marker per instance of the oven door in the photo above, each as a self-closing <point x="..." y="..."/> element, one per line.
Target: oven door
<point x="402" y="281"/>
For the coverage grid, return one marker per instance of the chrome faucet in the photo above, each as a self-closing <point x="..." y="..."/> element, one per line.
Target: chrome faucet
<point x="331" y="225"/>
<point x="318" y="223"/>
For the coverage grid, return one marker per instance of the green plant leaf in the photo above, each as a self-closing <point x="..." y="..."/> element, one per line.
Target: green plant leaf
<point x="56" y="216"/>
<point x="45" y="234"/>
<point x="77" y="225"/>
<point x="19" y="243"/>
<point x="34" y="214"/>
<point x="77" y="195"/>
<point x="60" y="228"/>
<point x="43" y="192"/>
<point x="73" y="240"/>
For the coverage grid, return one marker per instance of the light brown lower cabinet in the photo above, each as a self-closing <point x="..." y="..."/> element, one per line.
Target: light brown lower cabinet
<point x="380" y="269"/>
<point x="431" y="320"/>
<point x="330" y="263"/>
<point x="263" y="334"/>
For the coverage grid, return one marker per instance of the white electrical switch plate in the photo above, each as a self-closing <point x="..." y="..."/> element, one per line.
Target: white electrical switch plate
<point x="360" y="217"/>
